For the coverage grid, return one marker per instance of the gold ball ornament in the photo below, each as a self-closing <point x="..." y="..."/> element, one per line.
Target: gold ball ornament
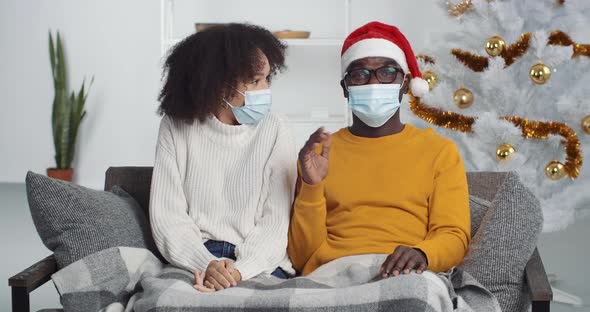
<point x="504" y="151"/>
<point x="555" y="170"/>
<point x="540" y="73"/>
<point x="586" y="124"/>
<point x="495" y="45"/>
<point x="463" y="98"/>
<point x="431" y="78"/>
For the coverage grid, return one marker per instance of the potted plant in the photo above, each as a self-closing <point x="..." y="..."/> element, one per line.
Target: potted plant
<point x="67" y="114"/>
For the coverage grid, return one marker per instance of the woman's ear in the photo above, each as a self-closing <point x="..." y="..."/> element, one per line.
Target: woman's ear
<point x="232" y="94"/>
<point x="228" y="93"/>
<point x="344" y="89"/>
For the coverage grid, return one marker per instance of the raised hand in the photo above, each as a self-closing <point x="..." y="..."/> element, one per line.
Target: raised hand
<point x="314" y="166"/>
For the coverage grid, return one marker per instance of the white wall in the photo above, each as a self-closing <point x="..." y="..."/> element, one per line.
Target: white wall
<point x="119" y="43"/>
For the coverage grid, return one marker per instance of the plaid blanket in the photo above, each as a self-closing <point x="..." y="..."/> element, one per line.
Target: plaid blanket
<point x="133" y="279"/>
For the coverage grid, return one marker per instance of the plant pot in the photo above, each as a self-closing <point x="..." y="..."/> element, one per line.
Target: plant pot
<point x="61" y="174"/>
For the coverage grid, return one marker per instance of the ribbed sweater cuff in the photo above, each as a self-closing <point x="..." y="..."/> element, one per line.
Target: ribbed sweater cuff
<point x="429" y="247"/>
<point x="248" y="269"/>
<point x="311" y="194"/>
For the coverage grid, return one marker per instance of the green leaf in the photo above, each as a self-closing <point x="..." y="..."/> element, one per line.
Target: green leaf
<point x="60" y="115"/>
<point x="89" y="86"/>
<point x="61" y="64"/>
<point x="57" y="139"/>
<point x="53" y="75"/>
<point x="80" y="101"/>
<point x="60" y="106"/>
<point x="65" y="143"/>
<point x="74" y="126"/>
<point x="77" y="115"/>
<point x="52" y="55"/>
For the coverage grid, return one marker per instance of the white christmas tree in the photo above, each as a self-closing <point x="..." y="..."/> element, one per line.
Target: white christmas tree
<point x="512" y="89"/>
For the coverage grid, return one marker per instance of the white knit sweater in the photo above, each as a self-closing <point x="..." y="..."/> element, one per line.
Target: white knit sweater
<point x="214" y="181"/>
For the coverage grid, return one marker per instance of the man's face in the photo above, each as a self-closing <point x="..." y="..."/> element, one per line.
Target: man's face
<point x="374" y="70"/>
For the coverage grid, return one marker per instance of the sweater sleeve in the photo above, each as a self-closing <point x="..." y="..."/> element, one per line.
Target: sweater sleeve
<point x="176" y="234"/>
<point x="449" y="226"/>
<point x="308" y="230"/>
<point x="265" y="246"/>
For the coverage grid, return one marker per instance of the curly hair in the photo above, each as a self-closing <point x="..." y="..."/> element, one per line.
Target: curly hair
<point x="202" y="69"/>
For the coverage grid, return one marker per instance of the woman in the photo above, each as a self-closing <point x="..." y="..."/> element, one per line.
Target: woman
<point x="225" y="170"/>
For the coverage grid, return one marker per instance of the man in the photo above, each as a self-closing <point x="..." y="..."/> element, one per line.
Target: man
<point x="380" y="186"/>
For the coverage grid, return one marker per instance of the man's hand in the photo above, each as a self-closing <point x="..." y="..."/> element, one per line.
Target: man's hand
<point x="314" y="166"/>
<point x="404" y="259"/>
<point x="219" y="275"/>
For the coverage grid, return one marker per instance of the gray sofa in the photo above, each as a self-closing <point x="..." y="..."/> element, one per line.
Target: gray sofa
<point x="506" y="221"/>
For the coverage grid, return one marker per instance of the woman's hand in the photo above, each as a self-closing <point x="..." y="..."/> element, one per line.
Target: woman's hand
<point x="314" y="166"/>
<point x="200" y="282"/>
<point x="218" y="276"/>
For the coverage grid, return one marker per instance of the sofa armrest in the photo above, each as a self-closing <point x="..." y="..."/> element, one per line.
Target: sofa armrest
<point x="538" y="285"/>
<point x="35" y="275"/>
<point x="28" y="280"/>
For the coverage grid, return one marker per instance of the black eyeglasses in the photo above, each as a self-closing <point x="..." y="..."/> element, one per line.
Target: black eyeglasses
<point x="385" y="74"/>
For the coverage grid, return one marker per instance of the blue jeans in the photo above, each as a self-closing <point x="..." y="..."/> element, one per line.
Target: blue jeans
<point x="228" y="250"/>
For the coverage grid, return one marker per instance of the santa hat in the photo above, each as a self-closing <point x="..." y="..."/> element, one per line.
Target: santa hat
<point x="376" y="39"/>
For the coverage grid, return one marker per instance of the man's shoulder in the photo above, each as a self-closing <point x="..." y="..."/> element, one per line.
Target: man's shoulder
<point x="430" y="138"/>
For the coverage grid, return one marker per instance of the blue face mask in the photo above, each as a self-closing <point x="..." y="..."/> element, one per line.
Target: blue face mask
<point x="374" y="104"/>
<point x="256" y="106"/>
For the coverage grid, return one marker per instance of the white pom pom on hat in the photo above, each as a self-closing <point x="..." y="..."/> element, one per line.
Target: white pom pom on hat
<point x="377" y="39"/>
<point x="419" y="87"/>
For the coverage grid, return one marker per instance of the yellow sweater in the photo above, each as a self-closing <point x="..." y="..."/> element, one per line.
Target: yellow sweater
<point x="409" y="189"/>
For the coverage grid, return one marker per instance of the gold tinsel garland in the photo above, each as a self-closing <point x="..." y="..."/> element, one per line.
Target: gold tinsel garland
<point x="517" y="49"/>
<point x="541" y="130"/>
<point x="459" y="8"/>
<point x="465" y="6"/>
<point x="475" y="62"/>
<point x="530" y="130"/>
<point x="479" y="63"/>
<point x="438" y="117"/>
<point x="426" y="58"/>
<point x="560" y="38"/>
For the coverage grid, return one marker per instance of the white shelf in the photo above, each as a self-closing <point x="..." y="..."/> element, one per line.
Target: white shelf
<point x="288" y="42"/>
<point x="313" y="42"/>
<point x="167" y="39"/>
<point x="307" y="119"/>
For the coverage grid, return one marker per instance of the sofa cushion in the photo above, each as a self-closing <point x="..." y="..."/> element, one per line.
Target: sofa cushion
<point x="505" y="230"/>
<point x="74" y="221"/>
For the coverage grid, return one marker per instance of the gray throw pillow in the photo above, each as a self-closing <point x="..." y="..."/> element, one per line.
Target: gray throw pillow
<point x="504" y="235"/>
<point x="74" y="221"/>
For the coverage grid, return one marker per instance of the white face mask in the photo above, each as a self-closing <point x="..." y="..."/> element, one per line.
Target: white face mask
<point x="256" y="106"/>
<point x="374" y="104"/>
